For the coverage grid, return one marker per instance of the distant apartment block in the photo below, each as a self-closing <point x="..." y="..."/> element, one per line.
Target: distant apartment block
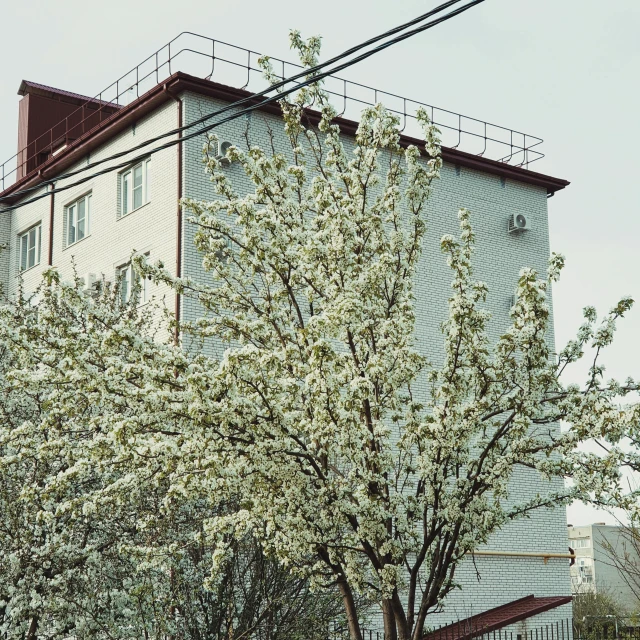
<point x="96" y="225"/>
<point x="602" y="554"/>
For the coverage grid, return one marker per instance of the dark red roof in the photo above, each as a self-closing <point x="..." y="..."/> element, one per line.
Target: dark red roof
<point x="497" y="618"/>
<point x="26" y="86"/>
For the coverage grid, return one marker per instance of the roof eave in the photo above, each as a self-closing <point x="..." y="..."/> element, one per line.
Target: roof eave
<point x="179" y="82"/>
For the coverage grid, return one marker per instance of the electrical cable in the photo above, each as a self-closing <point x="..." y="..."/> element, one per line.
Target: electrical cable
<point x="228" y="107"/>
<point x="277" y="97"/>
<point x="249" y="109"/>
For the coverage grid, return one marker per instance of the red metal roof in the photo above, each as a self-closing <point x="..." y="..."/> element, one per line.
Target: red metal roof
<point x="497" y="618"/>
<point x="26" y="86"/>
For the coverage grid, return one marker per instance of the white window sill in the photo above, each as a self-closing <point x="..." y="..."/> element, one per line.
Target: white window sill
<point x="28" y="269"/>
<point x="126" y="215"/>
<point x="73" y="244"/>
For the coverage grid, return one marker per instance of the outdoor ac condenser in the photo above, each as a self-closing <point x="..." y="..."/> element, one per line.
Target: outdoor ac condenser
<point x="223" y="145"/>
<point x="518" y="222"/>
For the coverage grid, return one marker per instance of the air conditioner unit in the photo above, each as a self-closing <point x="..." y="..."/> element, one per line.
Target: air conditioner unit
<point x="88" y="281"/>
<point x="518" y="222"/>
<point x="223" y="146"/>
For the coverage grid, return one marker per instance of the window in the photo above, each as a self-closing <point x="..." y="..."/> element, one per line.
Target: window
<point x="134" y="187"/>
<point x="29" y="244"/>
<point x="580" y="543"/>
<point x="585" y="569"/>
<point x="127" y="276"/>
<point x="78" y="220"/>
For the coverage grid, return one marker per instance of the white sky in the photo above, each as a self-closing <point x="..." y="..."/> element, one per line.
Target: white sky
<point x="565" y="70"/>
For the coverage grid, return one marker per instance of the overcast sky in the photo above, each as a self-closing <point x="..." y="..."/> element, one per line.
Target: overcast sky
<point x="565" y="70"/>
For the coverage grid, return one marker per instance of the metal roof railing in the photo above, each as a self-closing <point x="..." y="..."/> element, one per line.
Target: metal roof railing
<point x="238" y="67"/>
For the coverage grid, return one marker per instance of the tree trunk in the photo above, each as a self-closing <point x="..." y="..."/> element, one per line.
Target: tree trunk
<point x="350" y="610"/>
<point x="404" y="632"/>
<point x="390" y="628"/>
<point x="33" y="627"/>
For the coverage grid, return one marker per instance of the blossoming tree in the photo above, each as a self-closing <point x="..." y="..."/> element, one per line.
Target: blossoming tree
<point x="315" y="422"/>
<point x="92" y="544"/>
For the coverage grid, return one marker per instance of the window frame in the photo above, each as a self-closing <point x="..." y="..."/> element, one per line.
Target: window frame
<point x="580" y="543"/>
<point x="129" y="272"/>
<point x="36" y="248"/>
<point x="73" y="206"/>
<point x="128" y="187"/>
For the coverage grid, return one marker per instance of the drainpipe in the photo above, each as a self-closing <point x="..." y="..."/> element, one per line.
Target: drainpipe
<point x="176" y="336"/>
<point x="51" y="212"/>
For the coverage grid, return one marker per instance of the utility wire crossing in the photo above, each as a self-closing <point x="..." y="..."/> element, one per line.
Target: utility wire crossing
<point x="312" y="75"/>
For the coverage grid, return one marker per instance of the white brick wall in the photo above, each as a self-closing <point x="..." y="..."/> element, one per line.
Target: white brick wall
<point x="151" y="228"/>
<point x="498" y="259"/>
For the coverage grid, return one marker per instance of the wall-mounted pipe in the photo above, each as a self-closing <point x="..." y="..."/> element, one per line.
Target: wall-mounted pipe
<point x="51" y="214"/>
<point x="523" y="554"/>
<point x="176" y="336"/>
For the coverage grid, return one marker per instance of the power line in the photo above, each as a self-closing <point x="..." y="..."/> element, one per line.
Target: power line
<point x="274" y="87"/>
<point x="249" y="109"/>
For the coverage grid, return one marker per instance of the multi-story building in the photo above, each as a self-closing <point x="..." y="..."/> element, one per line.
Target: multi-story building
<point x="607" y="561"/>
<point x="94" y="226"/>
